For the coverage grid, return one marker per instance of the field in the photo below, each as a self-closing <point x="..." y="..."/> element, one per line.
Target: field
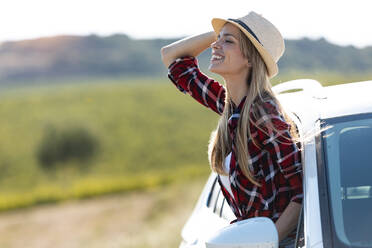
<point x="139" y="219"/>
<point x="152" y="148"/>
<point x="148" y="133"/>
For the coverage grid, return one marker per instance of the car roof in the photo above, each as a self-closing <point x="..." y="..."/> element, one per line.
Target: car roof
<point x="347" y="99"/>
<point x="327" y="102"/>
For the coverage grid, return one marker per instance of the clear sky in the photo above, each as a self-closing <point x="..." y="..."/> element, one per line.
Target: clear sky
<point x="344" y="22"/>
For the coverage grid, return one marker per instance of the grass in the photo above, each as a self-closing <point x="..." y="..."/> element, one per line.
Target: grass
<point x="94" y="186"/>
<point x="149" y="134"/>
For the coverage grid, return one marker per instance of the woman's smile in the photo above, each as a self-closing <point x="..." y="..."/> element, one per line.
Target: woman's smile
<point x="217" y="58"/>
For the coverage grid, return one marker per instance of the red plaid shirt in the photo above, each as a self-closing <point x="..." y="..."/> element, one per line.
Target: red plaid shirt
<point x="275" y="165"/>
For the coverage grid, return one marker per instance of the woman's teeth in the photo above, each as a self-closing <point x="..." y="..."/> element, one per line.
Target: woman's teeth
<point x="216" y="57"/>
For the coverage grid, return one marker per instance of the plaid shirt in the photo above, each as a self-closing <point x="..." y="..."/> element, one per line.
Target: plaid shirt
<point x="276" y="166"/>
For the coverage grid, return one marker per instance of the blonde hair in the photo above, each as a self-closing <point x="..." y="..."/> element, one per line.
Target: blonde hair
<point x="259" y="90"/>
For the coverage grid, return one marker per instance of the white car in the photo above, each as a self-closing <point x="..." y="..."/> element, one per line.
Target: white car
<point x="337" y="176"/>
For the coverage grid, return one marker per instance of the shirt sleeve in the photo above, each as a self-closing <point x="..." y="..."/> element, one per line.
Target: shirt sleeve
<point x="282" y="149"/>
<point x="186" y="76"/>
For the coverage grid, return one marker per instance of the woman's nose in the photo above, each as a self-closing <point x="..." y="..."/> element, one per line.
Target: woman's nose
<point x="215" y="44"/>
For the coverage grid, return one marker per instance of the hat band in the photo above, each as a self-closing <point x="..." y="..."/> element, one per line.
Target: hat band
<point x="245" y="27"/>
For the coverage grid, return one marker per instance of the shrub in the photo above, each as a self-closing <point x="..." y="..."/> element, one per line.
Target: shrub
<point x="64" y="145"/>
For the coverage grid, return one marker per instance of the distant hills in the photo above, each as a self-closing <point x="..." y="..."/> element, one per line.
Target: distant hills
<point x="119" y="55"/>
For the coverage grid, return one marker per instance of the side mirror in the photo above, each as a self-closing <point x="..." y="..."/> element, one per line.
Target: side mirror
<point x="254" y="232"/>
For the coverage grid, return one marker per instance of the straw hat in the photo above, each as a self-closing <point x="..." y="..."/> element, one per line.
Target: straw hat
<point x="263" y="35"/>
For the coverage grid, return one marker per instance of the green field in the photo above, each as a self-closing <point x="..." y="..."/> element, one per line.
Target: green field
<point x="148" y="132"/>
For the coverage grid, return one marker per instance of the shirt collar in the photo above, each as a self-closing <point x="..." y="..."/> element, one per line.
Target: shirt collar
<point x="237" y="109"/>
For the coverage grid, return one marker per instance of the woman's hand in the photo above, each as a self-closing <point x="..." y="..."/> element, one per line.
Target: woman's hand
<point x="288" y="220"/>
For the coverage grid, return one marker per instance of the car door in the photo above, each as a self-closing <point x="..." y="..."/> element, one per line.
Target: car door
<point x="210" y="214"/>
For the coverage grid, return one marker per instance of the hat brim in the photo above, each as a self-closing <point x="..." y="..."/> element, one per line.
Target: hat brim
<point x="271" y="65"/>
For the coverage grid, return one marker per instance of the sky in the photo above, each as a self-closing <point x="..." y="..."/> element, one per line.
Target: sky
<point x="342" y="22"/>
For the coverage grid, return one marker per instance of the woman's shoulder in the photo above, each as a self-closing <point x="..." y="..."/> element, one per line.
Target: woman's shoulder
<point x="267" y="110"/>
<point x="265" y="105"/>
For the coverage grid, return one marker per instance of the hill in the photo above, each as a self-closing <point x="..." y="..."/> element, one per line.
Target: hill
<point x="119" y="55"/>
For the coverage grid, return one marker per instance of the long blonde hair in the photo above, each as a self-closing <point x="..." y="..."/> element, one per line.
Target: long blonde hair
<point x="259" y="89"/>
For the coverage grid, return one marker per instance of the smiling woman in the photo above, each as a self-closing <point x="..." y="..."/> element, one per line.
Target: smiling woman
<point x="254" y="148"/>
<point x="226" y="48"/>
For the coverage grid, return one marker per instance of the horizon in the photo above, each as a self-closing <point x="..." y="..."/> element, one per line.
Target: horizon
<point x="166" y="38"/>
<point x="341" y="23"/>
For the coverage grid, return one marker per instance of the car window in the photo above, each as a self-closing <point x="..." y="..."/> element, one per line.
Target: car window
<point x="216" y="199"/>
<point x="348" y="160"/>
<point x="217" y="202"/>
<point x="213" y="194"/>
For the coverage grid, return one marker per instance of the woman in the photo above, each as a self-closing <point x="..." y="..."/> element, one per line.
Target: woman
<point x="253" y="148"/>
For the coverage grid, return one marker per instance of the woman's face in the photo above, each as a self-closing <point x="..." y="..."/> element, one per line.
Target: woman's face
<point x="227" y="58"/>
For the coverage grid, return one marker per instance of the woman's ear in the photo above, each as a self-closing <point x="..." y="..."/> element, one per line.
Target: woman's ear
<point x="248" y="63"/>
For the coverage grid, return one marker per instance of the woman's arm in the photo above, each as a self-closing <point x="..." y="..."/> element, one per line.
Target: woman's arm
<point x="183" y="70"/>
<point x="285" y="153"/>
<point x="288" y="220"/>
<point x="189" y="46"/>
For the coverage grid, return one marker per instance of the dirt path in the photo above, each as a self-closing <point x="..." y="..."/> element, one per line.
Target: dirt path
<point x="143" y="219"/>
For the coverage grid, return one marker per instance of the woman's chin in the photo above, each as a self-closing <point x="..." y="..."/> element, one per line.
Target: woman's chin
<point x="213" y="68"/>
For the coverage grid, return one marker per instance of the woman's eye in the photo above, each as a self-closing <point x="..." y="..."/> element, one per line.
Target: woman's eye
<point x="228" y="41"/>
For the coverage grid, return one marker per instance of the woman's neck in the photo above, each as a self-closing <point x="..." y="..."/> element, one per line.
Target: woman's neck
<point x="237" y="90"/>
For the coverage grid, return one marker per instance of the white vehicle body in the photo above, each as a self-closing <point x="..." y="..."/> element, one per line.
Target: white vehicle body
<point x="311" y="106"/>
